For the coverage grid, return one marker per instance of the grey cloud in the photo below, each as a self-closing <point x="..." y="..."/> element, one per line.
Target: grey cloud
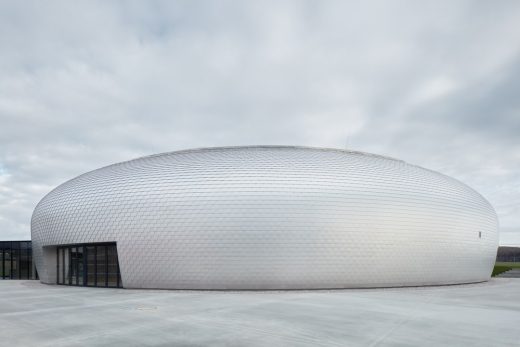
<point x="86" y="84"/>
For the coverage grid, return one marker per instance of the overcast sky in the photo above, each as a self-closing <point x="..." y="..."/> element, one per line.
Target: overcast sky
<point x="83" y="85"/>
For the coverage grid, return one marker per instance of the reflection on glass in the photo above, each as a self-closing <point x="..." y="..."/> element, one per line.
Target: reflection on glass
<point x="88" y="265"/>
<point x="101" y="266"/>
<point x="66" y="261"/>
<point x="73" y="266"/>
<point x="91" y="265"/>
<point x="7" y="263"/>
<point x="60" y="273"/>
<point x="79" y="266"/>
<point x="15" y="260"/>
<point x="112" y="266"/>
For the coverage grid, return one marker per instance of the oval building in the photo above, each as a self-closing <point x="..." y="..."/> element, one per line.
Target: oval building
<point x="263" y="217"/>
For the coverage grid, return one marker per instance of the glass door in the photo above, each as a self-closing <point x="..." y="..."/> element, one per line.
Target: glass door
<point x="93" y="265"/>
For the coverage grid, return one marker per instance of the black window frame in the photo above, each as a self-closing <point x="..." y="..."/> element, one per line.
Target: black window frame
<point x="20" y="260"/>
<point x="73" y="266"/>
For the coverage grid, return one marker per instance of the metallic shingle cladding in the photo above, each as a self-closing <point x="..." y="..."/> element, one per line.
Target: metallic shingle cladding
<point x="272" y="218"/>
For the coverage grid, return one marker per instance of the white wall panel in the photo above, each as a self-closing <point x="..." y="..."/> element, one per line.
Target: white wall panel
<point x="272" y="218"/>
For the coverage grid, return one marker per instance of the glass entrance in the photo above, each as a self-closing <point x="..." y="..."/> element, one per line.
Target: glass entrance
<point x="91" y="265"/>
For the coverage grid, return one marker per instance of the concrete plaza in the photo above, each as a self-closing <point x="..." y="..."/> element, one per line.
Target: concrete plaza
<point x="482" y="314"/>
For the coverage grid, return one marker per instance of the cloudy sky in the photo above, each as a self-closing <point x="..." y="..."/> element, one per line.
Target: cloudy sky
<point x="83" y="85"/>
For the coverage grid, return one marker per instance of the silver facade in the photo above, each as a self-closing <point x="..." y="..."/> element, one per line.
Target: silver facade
<point x="272" y="218"/>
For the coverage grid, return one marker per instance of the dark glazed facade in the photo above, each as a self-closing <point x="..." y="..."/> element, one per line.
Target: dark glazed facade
<point x="16" y="261"/>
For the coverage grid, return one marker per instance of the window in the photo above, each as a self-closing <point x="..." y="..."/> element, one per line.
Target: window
<point x="16" y="260"/>
<point x="91" y="265"/>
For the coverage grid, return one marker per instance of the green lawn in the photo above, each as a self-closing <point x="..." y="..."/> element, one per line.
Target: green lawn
<point x="503" y="267"/>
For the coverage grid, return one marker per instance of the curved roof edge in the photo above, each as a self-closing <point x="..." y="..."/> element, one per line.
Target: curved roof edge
<point x="209" y="149"/>
<point x="220" y="148"/>
<point x="325" y="149"/>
